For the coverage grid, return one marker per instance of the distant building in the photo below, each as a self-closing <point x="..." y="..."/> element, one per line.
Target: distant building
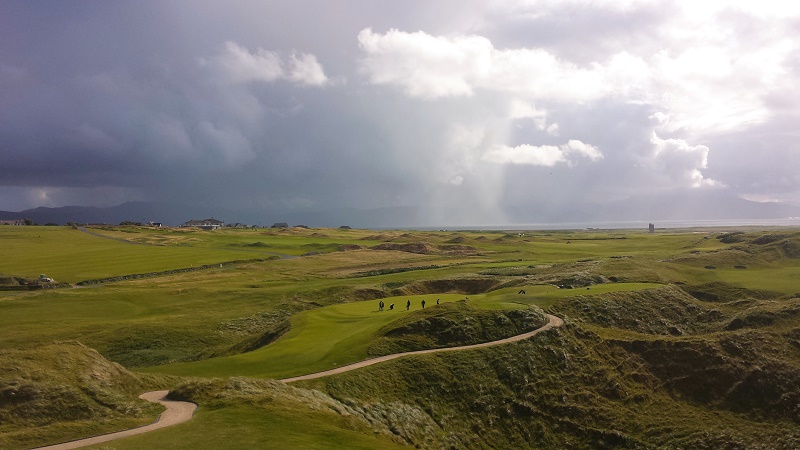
<point x="280" y="225"/>
<point x="13" y="222"/>
<point x="345" y="227"/>
<point x="154" y="224"/>
<point x="205" y="224"/>
<point x="652" y="228"/>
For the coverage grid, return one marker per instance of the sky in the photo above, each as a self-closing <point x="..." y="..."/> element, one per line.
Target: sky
<point x="468" y="110"/>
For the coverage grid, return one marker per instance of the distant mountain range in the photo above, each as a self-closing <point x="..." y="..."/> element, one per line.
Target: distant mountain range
<point x="682" y="205"/>
<point x="712" y="205"/>
<point x="176" y="214"/>
<point x="143" y="212"/>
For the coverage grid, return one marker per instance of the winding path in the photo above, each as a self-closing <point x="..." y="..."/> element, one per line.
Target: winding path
<point x="177" y="412"/>
<point x="552" y="322"/>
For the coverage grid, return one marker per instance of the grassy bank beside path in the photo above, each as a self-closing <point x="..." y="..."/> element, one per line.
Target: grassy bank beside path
<point x="263" y="426"/>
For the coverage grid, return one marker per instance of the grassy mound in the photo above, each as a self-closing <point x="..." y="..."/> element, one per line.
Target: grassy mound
<point x="426" y="248"/>
<point x="737" y="373"/>
<point x="6" y="280"/>
<point x="720" y="292"/>
<point x="663" y="311"/>
<point x="768" y="246"/>
<point x="415" y="247"/>
<point x="64" y="391"/>
<point x="462" y="285"/>
<point x="453" y="324"/>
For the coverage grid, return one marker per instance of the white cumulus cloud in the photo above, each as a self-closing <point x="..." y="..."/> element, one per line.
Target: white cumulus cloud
<point x="677" y="160"/>
<point x="576" y="146"/>
<point x="520" y="110"/>
<point x="305" y="69"/>
<point x="704" y="78"/>
<point x="543" y="155"/>
<point x="425" y="66"/>
<point x="240" y="65"/>
<point x="428" y="66"/>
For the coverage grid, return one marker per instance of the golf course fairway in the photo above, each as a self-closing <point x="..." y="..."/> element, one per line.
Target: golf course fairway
<point x="340" y="334"/>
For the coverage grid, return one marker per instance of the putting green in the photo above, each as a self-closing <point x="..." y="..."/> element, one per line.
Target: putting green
<point x="337" y="335"/>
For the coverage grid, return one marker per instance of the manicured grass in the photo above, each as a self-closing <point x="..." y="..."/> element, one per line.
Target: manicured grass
<point x="71" y="256"/>
<point x="785" y="279"/>
<point x="320" y="339"/>
<point x="295" y="241"/>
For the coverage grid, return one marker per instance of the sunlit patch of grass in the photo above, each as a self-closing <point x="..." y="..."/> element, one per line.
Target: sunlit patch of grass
<point x="785" y="279"/>
<point x="319" y="339"/>
<point x="69" y="255"/>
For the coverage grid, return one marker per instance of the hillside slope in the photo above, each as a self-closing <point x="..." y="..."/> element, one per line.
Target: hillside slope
<point x="656" y="369"/>
<point x="61" y="391"/>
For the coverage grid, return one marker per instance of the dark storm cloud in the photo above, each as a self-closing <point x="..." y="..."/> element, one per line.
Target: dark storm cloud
<point x="126" y="96"/>
<point x="473" y="111"/>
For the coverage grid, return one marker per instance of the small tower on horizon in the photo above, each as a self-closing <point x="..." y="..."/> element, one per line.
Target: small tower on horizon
<point x="652" y="228"/>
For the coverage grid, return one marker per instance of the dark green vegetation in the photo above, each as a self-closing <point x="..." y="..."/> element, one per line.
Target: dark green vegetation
<point x="686" y="339"/>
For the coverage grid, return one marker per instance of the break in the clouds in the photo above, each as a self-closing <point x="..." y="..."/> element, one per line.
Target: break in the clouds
<point x="485" y="112"/>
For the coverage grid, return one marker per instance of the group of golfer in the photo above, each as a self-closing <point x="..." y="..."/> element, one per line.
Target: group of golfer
<point x="381" y="305"/>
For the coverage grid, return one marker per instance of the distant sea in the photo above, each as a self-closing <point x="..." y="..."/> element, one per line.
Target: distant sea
<point x="663" y="224"/>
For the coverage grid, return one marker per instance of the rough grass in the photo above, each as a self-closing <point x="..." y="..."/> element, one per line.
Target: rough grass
<point x="450" y="325"/>
<point x="571" y="388"/>
<point x="663" y="311"/>
<point x="65" y="390"/>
